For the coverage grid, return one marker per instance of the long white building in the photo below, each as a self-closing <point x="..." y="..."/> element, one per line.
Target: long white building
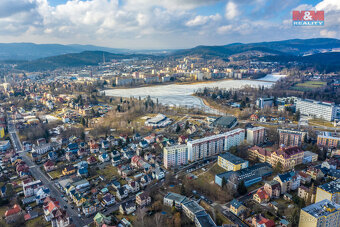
<point x="324" y="110"/>
<point x="216" y="144"/>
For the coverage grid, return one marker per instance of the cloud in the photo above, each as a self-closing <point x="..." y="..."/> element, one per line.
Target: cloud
<point x="224" y="29"/>
<point x="328" y="33"/>
<point x="202" y="20"/>
<point x="231" y="10"/>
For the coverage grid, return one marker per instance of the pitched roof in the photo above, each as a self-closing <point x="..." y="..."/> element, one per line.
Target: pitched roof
<point x="14" y="210"/>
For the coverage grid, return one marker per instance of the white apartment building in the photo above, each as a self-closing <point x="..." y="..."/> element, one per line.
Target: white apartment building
<point x="175" y="155"/>
<point x="324" y="110"/>
<point x="216" y="144"/>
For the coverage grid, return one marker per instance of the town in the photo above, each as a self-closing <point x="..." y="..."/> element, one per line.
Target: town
<point x="71" y="155"/>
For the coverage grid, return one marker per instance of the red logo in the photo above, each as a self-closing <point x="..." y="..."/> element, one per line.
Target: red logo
<point x="308" y="18"/>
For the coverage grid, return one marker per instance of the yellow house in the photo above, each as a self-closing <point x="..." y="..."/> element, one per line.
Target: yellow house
<point x="2" y="132"/>
<point x="78" y="199"/>
<point x="236" y="207"/>
<point x="323" y="213"/>
<point x="231" y="162"/>
<point x="68" y="170"/>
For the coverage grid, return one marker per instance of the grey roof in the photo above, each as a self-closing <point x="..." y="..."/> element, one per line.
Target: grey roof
<point x="232" y="158"/>
<point x="331" y="187"/>
<point x="176" y="197"/>
<point x="193" y="206"/>
<point x="204" y="219"/>
<point x="320" y="208"/>
<point x="225" y="121"/>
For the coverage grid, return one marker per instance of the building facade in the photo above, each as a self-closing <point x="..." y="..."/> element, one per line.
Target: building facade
<point x="323" y="110"/>
<point x="255" y="136"/>
<point x="292" y="137"/>
<point x="175" y="156"/>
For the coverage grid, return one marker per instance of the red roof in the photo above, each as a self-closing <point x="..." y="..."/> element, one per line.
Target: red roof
<point x="16" y="209"/>
<point x="49" y="163"/>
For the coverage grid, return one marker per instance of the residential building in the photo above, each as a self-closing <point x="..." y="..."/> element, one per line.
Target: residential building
<point x="212" y="145"/>
<point x="203" y="219"/>
<point x="89" y="208"/>
<point x="288" y="181"/>
<point x="260" y="154"/>
<point x="41" y="149"/>
<point x="323" y="213"/>
<point x="108" y="199"/>
<point x="260" y="221"/>
<point x="4" y="145"/>
<point x="101" y="220"/>
<point x="174" y="199"/>
<point x="68" y="170"/>
<point x="292" y="137"/>
<point x="288" y="157"/>
<point x="236" y="207"/>
<point x="176" y="155"/>
<point x="231" y="162"/>
<point x="31" y="188"/>
<point x="261" y="196"/>
<point x="329" y="140"/>
<point x="14" y="214"/>
<point x="324" y="110"/>
<point x="309" y="157"/>
<point x="143" y="199"/>
<point x="272" y="188"/>
<point x="256" y="135"/>
<point x="191" y="208"/>
<point x="329" y="191"/>
<point x="307" y="194"/>
<point x="127" y="207"/>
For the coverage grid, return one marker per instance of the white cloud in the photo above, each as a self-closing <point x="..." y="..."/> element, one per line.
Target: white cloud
<point x="231" y="10"/>
<point x="328" y="33"/>
<point x="224" y="29"/>
<point x="202" y="20"/>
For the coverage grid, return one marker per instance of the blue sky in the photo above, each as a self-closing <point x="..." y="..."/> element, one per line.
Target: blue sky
<point x="160" y="24"/>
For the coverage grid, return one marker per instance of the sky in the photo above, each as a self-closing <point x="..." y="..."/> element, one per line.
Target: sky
<point x="161" y="24"/>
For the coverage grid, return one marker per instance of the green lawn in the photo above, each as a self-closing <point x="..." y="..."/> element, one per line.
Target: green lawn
<point x="55" y="174"/>
<point x="309" y="85"/>
<point x="37" y="221"/>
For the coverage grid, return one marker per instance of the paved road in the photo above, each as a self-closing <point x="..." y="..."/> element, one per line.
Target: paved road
<point x="39" y="175"/>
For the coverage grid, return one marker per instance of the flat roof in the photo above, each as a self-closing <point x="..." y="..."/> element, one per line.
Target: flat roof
<point x="232" y="158"/>
<point x="331" y="187"/>
<point x="322" y="208"/>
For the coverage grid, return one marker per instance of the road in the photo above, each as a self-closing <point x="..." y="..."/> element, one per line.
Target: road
<point x="39" y="175"/>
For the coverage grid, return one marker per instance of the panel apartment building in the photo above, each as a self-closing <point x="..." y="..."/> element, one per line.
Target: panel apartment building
<point x="324" y="110"/>
<point x="212" y="145"/>
<point x="292" y="137"/>
<point x="255" y="136"/>
<point x="175" y="156"/>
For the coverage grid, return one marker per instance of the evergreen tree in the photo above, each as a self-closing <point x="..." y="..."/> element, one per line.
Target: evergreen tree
<point x="241" y="188"/>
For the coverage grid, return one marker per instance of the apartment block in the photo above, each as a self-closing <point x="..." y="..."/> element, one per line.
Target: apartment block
<point x="329" y="191"/>
<point x="329" y="140"/>
<point x="216" y="144"/>
<point x="175" y="156"/>
<point x="323" y="110"/>
<point x="255" y="136"/>
<point x="231" y="162"/>
<point x="292" y="137"/>
<point x="320" y="214"/>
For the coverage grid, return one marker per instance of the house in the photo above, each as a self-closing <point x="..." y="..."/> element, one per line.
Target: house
<point x="288" y="157"/>
<point x="104" y="157"/>
<point x="91" y="160"/>
<point x="145" y="180"/>
<point x="70" y="156"/>
<point x="94" y="148"/>
<point x="31" y="188"/>
<point x="52" y="155"/>
<point x="116" y="161"/>
<point x="307" y="194"/>
<point x="315" y="173"/>
<point x="108" y="199"/>
<point x="158" y="174"/>
<point x="42" y="194"/>
<point x="89" y="208"/>
<point x="115" y="184"/>
<point x="143" y="199"/>
<point x="236" y="207"/>
<point x="49" y="166"/>
<point x="133" y="186"/>
<point x="261" y="196"/>
<point x="191" y="209"/>
<point x="174" y="199"/>
<point x="14" y="214"/>
<point x="122" y="193"/>
<point x="288" y="181"/>
<point x="68" y="170"/>
<point x="101" y="220"/>
<point x="305" y="178"/>
<point x="127" y="207"/>
<point x="272" y="188"/>
<point x="287" y="197"/>
<point x="260" y="221"/>
<point x="82" y="172"/>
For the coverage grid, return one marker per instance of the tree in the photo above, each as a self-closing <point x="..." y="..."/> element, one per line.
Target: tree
<point x="178" y="128"/>
<point x="223" y="182"/>
<point x="241" y="188"/>
<point x="182" y="189"/>
<point x="297" y="115"/>
<point x="278" y="167"/>
<point x="9" y="191"/>
<point x="158" y="219"/>
<point x="141" y="212"/>
<point x="177" y="219"/>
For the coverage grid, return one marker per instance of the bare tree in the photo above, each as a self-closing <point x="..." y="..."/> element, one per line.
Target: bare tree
<point x="141" y="212"/>
<point x="158" y="219"/>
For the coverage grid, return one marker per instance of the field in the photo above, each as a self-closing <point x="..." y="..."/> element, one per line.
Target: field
<point x="308" y="85"/>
